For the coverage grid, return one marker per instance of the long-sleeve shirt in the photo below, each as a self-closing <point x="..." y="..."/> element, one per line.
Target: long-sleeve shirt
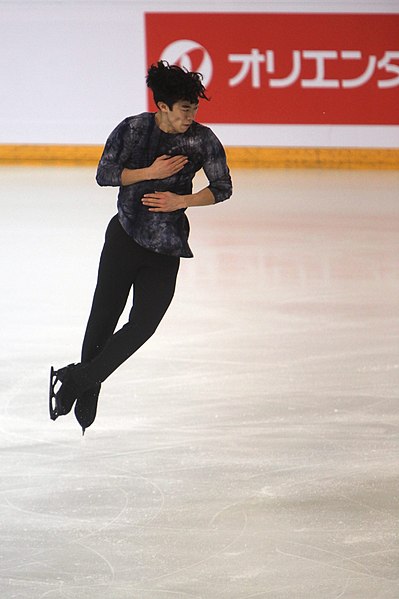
<point x="135" y="143"/>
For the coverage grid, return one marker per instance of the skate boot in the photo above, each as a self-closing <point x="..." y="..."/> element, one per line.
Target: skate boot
<point x="86" y="406"/>
<point x="65" y="386"/>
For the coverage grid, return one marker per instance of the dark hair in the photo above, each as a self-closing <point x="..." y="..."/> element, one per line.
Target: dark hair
<point x="171" y="84"/>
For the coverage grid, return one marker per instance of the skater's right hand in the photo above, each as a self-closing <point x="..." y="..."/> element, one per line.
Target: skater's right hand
<point x="165" y="166"/>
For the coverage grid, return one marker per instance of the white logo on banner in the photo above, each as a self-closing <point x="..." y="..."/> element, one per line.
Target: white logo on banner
<point x="251" y="65"/>
<point x="179" y="53"/>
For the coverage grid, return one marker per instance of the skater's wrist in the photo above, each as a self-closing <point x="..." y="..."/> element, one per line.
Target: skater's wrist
<point x="130" y="175"/>
<point x="204" y="197"/>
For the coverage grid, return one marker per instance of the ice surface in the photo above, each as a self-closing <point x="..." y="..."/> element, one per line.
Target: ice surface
<point x="250" y="448"/>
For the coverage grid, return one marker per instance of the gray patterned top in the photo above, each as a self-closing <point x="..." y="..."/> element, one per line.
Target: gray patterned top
<point x="135" y="143"/>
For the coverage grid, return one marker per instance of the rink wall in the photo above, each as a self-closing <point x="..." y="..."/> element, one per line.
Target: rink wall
<point x="288" y="87"/>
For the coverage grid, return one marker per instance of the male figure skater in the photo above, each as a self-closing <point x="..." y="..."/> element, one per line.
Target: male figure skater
<point x="153" y="158"/>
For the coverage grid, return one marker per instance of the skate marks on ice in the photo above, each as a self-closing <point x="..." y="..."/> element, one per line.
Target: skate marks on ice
<point x="86" y="552"/>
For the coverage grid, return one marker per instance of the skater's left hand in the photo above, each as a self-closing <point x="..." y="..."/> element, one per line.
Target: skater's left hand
<point x="163" y="201"/>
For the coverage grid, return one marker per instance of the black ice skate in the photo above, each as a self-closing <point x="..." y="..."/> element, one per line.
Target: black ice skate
<point x="86" y="406"/>
<point x="63" y="391"/>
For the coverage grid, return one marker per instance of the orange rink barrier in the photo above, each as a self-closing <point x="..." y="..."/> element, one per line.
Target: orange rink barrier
<point x="238" y="157"/>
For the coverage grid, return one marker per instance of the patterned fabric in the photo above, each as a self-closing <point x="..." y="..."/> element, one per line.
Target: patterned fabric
<point x="135" y="143"/>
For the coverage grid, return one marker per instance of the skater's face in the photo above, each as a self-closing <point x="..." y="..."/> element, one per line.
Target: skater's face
<point x="178" y="119"/>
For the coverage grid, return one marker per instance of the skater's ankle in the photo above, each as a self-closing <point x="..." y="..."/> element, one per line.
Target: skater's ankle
<point x="83" y="378"/>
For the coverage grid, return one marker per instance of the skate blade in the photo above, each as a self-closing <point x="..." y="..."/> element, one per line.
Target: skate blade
<point x="54" y="388"/>
<point x="52" y="401"/>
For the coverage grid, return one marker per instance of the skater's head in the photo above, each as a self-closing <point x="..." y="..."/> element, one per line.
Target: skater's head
<point x="171" y="84"/>
<point x="176" y="93"/>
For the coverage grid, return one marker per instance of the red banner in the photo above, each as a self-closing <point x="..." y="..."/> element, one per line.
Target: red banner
<point x="286" y="68"/>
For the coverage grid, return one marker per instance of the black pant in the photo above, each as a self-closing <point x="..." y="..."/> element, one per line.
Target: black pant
<point x="124" y="264"/>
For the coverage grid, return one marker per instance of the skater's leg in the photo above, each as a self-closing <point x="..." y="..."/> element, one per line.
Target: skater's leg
<point x="154" y="288"/>
<point x="154" y="278"/>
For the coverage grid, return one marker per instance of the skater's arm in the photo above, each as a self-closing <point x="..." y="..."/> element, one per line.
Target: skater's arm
<point x="166" y="201"/>
<point x="115" y="155"/>
<point x="162" y="167"/>
<point x="216" y="169"/>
